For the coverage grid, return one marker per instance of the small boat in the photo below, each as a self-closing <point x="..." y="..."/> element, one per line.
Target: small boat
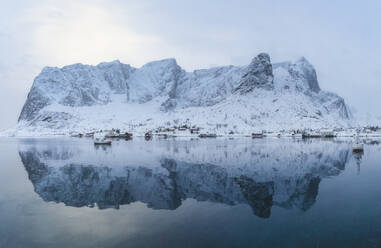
<point x="162" y="135"/>
<point x="148" y="136"/>
<point x="125" y="135"/>
<point x="76" y="135"/>
<point x="100" y="139"/>
<point x="119" y="136"/>
<point x="257" y="134"/>
<point x="311" y="135"/>
<point x="106" y="142"/>
<point x="195" y="130"/>
<point x="358" y="148"/>
<point x="297" y="135"/>
<point x="327" y="133"/>
<point x="112" y="134"/>
<point x="208" y="135"/>
<point x="89" y="134"/>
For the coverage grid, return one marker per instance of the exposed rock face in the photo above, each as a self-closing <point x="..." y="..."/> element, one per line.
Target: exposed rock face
<point x="116" y="75"/>
<point x="75" y="85"/>
<point x="259" y="75"/>
<point x="308" y="72"/>
<point x="285" y="95"/>
<point x="302" y="73"/>
<point x="35" y="102"/>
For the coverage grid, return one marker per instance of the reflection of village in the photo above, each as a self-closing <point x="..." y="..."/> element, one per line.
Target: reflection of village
<point x="256" y="174"/>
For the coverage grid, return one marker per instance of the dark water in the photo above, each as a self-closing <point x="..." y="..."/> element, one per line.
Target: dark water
<point x="189" y="193"/>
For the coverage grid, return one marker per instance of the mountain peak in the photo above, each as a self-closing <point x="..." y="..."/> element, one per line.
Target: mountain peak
<point x="109" y="64"/>
<point x="287" y="95"/>
<point x="162" y="63"/>
<point x="259" y="74"/>
<point x="305" y="68"/>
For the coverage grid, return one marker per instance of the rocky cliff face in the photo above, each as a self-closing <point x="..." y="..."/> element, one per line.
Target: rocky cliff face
<point x="67" y="98"/>
<point x="76" y="85"/>
<point x="259" y="74"/>
<point x="300" y="75"/>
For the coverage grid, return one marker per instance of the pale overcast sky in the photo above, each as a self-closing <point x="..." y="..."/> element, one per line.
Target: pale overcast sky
<point x="342" y="39"/>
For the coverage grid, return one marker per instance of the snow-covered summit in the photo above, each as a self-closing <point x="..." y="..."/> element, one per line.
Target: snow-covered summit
<point x="116" y="95"/>
<point x="302" y="73"/>
<point x="259" y="74"/>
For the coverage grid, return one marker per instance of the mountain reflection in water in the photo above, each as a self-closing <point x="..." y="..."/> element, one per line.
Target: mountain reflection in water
<point x="162" y="174"/>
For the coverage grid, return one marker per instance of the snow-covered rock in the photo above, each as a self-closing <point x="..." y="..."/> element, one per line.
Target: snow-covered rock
<point x="259" y="74"/>
<point x="115" y="95"/>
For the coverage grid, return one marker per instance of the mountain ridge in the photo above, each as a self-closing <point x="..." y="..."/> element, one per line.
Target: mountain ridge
<point x="164" y="94"/>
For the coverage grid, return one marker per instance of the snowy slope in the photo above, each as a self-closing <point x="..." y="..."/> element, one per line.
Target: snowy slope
<point x="115" y="95"/>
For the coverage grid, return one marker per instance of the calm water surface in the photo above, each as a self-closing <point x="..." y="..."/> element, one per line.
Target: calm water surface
<point x="189" y="193"/>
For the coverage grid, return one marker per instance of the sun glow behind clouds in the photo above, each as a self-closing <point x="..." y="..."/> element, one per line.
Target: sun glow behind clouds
<point x="78" y="32"/>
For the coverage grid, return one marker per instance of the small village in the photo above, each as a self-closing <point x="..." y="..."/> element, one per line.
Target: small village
<point x="358" y="136"/>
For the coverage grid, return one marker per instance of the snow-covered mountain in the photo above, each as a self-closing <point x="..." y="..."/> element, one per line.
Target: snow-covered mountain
<point x="115" y="95"/>
<point x="162" y="173"/>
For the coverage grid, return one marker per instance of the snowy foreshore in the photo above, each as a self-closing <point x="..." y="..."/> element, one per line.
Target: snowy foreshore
<point x="196" y="132"/>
